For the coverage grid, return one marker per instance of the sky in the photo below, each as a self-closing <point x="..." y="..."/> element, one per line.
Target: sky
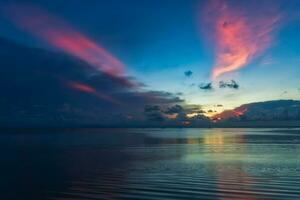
<point x="206" y="53"/>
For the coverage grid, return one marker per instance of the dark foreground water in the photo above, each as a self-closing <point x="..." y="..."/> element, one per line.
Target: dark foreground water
<point x="244" y="164"/>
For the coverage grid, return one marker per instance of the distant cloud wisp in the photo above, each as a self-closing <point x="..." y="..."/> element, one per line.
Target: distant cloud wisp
<point x="82" y="87"/>
<point x="188" y="73"/>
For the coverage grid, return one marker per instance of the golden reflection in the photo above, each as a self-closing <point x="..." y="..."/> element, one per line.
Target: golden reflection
<point x="227" y="151"/>
<point x="214" y="139"/>
<point x="193" y="141"/>
<point x="220" y="138"/>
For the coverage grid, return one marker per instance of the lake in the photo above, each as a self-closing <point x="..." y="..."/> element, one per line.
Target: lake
<point x="186" y="163"/>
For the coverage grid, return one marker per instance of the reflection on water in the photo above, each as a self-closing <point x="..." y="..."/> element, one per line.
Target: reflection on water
<point x="217" y="137"/>
<point x="242" y="186"/>
<point x="151" y="164"/>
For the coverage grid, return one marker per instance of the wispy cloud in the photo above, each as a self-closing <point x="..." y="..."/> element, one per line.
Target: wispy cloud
<point x="61" y="35"/>
<point x="239" y="35"/>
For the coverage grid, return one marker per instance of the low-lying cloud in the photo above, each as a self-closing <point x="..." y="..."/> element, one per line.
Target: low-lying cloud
<point x="55" y="89"/>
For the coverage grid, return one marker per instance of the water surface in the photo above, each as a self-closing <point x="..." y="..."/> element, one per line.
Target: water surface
<point x="150" y="164"/>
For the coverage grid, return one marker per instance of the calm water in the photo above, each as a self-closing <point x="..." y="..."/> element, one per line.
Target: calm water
<point x="150" y="164"/>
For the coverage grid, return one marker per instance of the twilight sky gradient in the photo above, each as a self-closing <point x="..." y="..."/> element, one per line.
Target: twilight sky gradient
<point x="254" y="43"/>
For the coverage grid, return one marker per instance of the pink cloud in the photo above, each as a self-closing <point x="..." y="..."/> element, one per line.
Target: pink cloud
<point x="239" y="36"/>
<point x="82" y="87"/>
<point x="61" y="35"/>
